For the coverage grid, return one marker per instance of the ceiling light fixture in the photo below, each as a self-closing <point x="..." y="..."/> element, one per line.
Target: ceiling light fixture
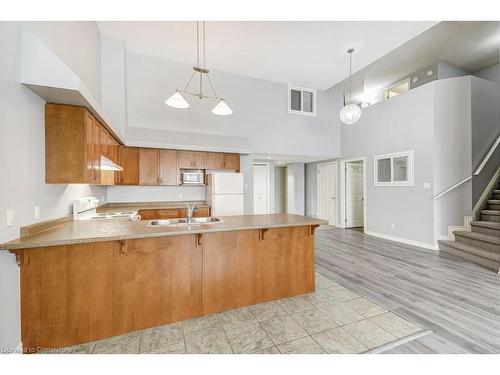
<point x="178" y="101"/>
<point x="351" y="112"/>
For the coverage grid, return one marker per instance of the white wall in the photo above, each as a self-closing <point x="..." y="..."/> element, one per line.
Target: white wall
<point x="452" y="152"/>
<point x="260" y="112"/>
<point x="155" y="193"/>
<point x="78" y="44"/>
<point x="22" y="152"/>
<point x="491" y="73"/>
<point x="402" y="123"/>
<point x="113" y="79"/>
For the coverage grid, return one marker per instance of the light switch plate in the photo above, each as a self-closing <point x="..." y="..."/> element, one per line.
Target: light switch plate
<point x="37" y="212"/>
<point x="393" y="226"/>
<point x="11" y="217"/>
<point x="427" y="185"/>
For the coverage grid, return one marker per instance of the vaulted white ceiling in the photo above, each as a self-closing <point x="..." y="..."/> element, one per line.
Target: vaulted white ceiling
<point x="311" y="54"/>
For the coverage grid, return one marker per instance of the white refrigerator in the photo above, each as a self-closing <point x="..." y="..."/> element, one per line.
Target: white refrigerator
<point x="224" y="193"/>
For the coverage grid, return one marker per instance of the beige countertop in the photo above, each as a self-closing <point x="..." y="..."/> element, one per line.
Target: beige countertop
<point x="86" y="231"/>
<point x="136" y="206"/>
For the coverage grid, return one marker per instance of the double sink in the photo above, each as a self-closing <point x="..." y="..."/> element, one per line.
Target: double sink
<point x="184" y="221"/>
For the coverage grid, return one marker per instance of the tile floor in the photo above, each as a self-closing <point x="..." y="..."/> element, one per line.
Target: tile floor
<point x="331" y="320"/>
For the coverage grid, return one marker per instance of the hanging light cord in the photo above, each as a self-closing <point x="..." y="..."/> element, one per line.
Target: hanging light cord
<point x="203" y="59"/>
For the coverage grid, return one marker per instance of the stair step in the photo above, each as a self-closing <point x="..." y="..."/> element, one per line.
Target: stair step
<point x="490" y="215"/>
<point x="493" y="201"/>
<point x="471" y="253"/>
<point x="487" y="227"/>
<point x="474" y="250"/>
<point x="484" y="241"/>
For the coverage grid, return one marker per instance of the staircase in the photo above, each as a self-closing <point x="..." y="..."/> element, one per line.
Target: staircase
<point x="481" y="245"/>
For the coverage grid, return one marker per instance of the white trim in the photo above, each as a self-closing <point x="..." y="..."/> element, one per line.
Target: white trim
<point x="268" y="184"/>
<point x="406" y="241"/>
<point x="486" y="192"/>
<point x="302" y="89"/>
<point x="336" y="188"/>
<point x="487" y="157"/>
<point x="411" y="159"/>
<point x="341" y="224"/>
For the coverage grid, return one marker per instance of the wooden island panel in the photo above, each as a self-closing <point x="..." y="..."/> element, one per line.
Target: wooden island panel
<point x="78" y="293"/>
<point x="248" y="267"/>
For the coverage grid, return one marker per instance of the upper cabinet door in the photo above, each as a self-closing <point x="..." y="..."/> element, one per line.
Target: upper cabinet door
<point x="200" y="159"/>
<point x="215" y="160"/>
<point x="185" y="159"/>
<point x="129" y="161"/>
<point x="168" y="167"/>
<point x="97" y="151"/>
<point x="148" y="167"/>
<point x="89" y="148"/>
<point x="232" y="161"/>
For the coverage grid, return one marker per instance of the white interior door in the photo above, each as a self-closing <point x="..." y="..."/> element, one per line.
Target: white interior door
<point x="260" y="189"/>
<point x="354" y="195"/>
<point x="327" y="192"/>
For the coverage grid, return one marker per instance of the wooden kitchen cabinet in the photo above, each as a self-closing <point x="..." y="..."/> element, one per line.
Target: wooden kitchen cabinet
<point x="169" y="172"/>
<point x="172" y="213"/>
<point x="232" y="161"/>
<point x="149" y="166"/>
<point x="287" y="262"/>
<point x="74" y="143"/>
<point x="219" y="160"/>
<point x="279" y="263"/>
<point x="215" y="160"/>
<point x="128" y="158"/>
<point x="105" y="289"/>
<point x="227" y="285"/>
<point x="158" y="167"/>
<point x="192" y="160"/>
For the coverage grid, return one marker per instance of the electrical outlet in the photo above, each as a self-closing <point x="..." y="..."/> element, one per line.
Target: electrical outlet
<point x="37" y="212"/>
<point x="393" y="226"/>
<point x="11" y="217"/>
<point x="427" y="185"/>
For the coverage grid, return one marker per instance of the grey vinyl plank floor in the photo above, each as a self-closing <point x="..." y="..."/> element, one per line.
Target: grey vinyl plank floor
<point x="458" y="300"/>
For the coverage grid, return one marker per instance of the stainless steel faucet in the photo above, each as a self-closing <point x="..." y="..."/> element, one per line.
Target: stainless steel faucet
<point x="191" y="209"/>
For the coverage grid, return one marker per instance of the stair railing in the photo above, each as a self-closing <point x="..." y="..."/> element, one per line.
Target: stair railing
<point x="477" y="171"/>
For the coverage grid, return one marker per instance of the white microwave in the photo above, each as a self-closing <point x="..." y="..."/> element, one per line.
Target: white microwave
<point x="193" y="177"/>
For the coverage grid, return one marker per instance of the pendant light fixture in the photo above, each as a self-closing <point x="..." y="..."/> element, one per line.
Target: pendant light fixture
<point x="178" y="101"/>
<point x="351" y="112"/>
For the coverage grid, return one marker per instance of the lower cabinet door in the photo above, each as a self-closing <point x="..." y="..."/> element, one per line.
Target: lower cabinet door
<point x="251" y="266"/>
<point x="287" y="262"/>
<point x="231" y="270"/>
<point x="160" y="281"/>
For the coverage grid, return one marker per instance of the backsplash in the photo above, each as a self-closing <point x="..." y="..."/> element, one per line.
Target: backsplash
<point x="155" y="193"/>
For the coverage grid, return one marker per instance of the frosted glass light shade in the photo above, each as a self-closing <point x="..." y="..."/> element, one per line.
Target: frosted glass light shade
<point x="350" y="113"/>
<point x="177" y="101"/>
<point x="222" y="109"/>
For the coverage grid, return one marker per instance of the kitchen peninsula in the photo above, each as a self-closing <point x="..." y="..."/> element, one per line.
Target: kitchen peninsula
<point x="86" y="280"/>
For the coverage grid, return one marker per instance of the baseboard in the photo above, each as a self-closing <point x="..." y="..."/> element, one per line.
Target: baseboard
<point x="406" y="241"/>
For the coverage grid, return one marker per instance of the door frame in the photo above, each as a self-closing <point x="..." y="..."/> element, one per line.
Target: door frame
<point x="336" y="188"/>
<point x="341" y="224"/>
<point x="268" y="184"/>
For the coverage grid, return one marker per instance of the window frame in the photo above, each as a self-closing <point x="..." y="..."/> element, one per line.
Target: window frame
<point x="302" y="89"/>
<point x="411" y="160"/>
